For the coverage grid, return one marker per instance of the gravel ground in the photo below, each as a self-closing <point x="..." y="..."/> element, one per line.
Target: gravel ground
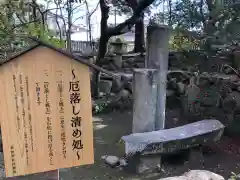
<point x="222" y="158"/>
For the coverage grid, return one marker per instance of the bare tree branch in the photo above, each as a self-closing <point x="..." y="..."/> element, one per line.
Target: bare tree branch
<point x="73" y="9"/>
<point x="129" y="23"/>
<point x="94" y="10"/>
<point x="202" y="15"/>
<point x="80" y="17"/>
<point x="61" y="14"/>
<point x="58" y="25"/>
<point x="132" y="3"/>
<point x="89" y="15"/>
<point x="20" y="19"/>
<point x="24" y="24"/>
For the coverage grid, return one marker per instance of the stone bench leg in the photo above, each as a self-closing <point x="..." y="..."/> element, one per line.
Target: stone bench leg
<point x="141" y="164"/>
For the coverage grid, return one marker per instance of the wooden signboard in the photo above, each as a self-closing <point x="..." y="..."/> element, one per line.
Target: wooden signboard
<point x="50" y="175"/>
<point x="46" y="118"/>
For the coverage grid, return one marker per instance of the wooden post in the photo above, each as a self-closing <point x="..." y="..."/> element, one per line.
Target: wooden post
<point x="157" y="58"/>
<point x="144" y="105"/>
<point x="50" y="175"/>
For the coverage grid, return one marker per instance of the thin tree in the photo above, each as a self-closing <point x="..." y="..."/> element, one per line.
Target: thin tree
<point x="107" y="32"/>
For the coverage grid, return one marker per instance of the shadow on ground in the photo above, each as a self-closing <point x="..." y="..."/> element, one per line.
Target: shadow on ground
<point x="223" y="158"/>
<point x="108" y="129"/>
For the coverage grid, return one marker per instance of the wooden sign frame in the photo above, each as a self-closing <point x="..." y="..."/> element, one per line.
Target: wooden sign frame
<point x="50" y="175"/>
<point x="46" y="90"/>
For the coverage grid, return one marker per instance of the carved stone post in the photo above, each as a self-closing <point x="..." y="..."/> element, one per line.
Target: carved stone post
<point x="157" y="58"/>
<point x="145" y="95"/>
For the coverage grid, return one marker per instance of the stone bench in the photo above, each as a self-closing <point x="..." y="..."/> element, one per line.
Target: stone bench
<point x="172" y="140"/>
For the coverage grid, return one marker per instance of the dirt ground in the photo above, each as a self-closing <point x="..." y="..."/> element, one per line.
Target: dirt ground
<point x="222" y="158"/>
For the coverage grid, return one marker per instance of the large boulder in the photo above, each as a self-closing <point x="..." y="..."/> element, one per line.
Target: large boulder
<point x="175" y="178"/>
<point x="196" y="175"/>
<point x="202" y="175"/>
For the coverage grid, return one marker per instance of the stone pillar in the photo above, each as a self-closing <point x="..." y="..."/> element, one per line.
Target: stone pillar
<point x="157" y="58"/>
<point x="144" y="113"/>
<point x="144" y="101"/>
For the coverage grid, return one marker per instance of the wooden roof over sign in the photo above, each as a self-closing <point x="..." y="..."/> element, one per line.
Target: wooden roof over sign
<point x="80" y="59"/>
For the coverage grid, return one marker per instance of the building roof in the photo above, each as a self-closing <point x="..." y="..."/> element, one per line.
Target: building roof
<point x="83" y="60"/>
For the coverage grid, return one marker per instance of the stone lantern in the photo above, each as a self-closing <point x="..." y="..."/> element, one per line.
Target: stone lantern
<point x="118" y="46"/>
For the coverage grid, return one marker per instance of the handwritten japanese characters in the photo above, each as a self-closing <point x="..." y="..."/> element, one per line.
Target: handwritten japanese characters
<point x="60" y="88"/>
<point x="38" y="93"/>
<point x="16" y="103"/>
<point x="24" y="118"/>
<point x="12" y="151"/>
<point x="74" y="89"/>
<point x="48" y="119"/>
<point x="45" y="115"/>
<point x="29" y="113"/>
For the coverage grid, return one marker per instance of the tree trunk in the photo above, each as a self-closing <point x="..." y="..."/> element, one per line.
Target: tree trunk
<point x="107" y="32"/>
<point x="34" y="11"/>
<point x="170" y="12"/>
<point x="102" y="47"/>
<point x="139" y="42"/>
<point x="69" y="12"/>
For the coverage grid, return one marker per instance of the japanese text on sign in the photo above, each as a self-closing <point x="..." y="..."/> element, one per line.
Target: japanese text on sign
<point x="74" y="89"/>
<point x="14" y="169"/>
<point x="16" y="103"/>
<point x="48" y="120"/>
<point x="60" y="88"/>
<point x="24" y="119"/>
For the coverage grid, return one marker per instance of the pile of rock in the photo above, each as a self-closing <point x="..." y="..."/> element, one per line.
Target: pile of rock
<point x="123" y="62"/>
<point x="212" y="96"/>
<point x="202" y="96"/>
<point x="177" y="82"/>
